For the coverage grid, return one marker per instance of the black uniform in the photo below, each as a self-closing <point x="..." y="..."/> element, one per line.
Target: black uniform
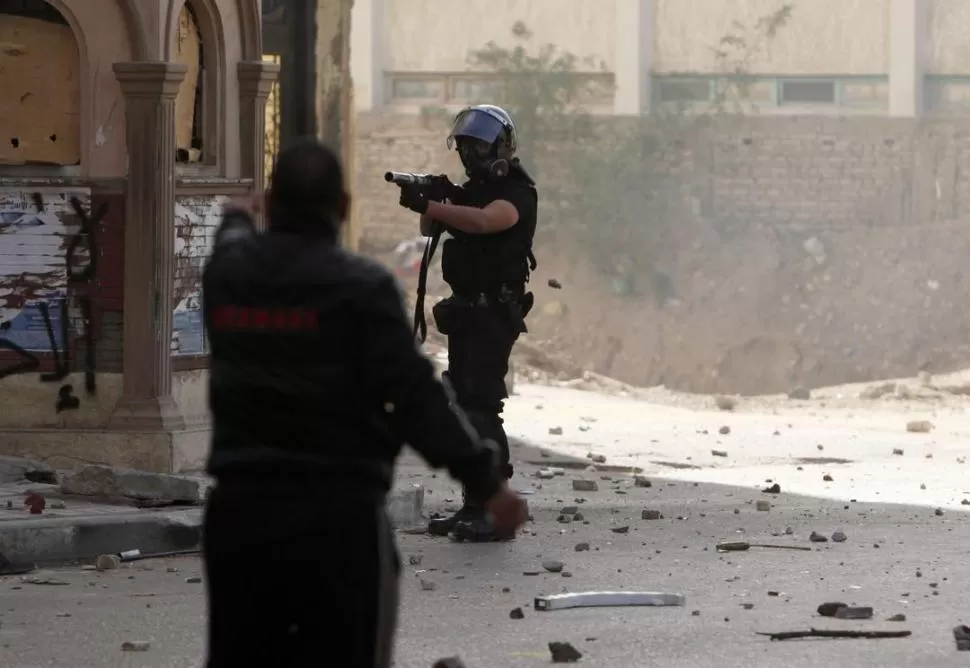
<point x="486" y="313"/>
<point x="315" y="384"/>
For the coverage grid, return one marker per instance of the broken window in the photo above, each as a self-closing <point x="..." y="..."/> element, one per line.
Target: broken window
<point x="40" y="78"/>
<point x="190" y="102"/>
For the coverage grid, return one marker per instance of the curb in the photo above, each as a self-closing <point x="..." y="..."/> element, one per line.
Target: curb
<point x="64" y="539"/>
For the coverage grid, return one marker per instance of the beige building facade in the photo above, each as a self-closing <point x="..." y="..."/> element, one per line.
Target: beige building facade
<point x="129" y="124"/>
<point x="834" y="57"/>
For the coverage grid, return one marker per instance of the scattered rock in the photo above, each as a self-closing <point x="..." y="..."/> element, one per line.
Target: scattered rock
<point x="726" y="403"/>
<point x="582" y="485"/>
<point x="640" y="481"/>
<point x="719" y="453"/>
<point x="135" y="646"/>
<point x="898" y="452"/>
<point x="563" y="652"/>
<point x="582" y="547"/>
<point x="18" y="469"/>
<point x="415" y="559"/>
<point x="428" y="585"/>
<point x="839" y="537"/>
<point x="763" y="505"/>
<point x="800" y="394"/>
<point x="516" y="613"/>
<point x="651" y="515"/>
<point x="555" y="431"/>
<point x="194" y="580"/>
<point x="107" y="482"/>
<point x="623" y="529"/>
<point x="899" y="617"/>
<point x="962" y="636"/>
<point x="555" y="284"/>
<point x="965" y="502"/>
<point x="827" y="478"/>
<point x="878" y="391"/>
<point x="830" y="609"/>
<point x="596" y="459"/>
<point x="552" y="565"/>
<point x="938" y="512"/>
<point x="724" y="431"/>
<point x="57" y="505"/>
<point x="851" y="612"/>
<point x="919" y="426"/>
<point x="107" y="562"/>
<point x="545" y="474"/>
<point x="773" y="489"/>
<point x="450" y="662"/>
<point x="818" y="538"/>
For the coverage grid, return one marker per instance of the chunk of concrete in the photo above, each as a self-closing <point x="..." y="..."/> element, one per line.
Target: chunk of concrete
<point x="114" y="483"/>
<point x="20" y="469"/>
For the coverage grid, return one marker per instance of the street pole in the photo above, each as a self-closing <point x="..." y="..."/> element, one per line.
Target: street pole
<point x="298" y="76"/>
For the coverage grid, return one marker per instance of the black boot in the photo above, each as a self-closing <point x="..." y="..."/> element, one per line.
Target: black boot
<point x="479" y="530"/>
<point x="442" y="526"/>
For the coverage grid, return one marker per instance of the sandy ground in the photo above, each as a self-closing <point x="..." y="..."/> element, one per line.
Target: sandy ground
<point x="862" y="444"/>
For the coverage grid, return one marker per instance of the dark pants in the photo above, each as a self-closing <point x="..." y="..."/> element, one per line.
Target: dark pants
<point x="298" y="582"/>
<point x="480" y="340"/>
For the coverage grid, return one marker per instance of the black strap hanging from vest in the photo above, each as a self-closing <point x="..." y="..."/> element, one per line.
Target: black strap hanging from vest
<point x="420" y="322"/>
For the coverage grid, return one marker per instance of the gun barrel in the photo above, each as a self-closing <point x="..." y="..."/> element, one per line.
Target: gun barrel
<point x="407" y="178"/>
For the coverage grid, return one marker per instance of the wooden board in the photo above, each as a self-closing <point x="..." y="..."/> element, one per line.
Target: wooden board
<point x="40" y="80"/>
<point x="188" y="49"/>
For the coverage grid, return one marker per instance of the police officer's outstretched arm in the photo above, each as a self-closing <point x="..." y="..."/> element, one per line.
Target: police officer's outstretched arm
<point x="401" y="379"/>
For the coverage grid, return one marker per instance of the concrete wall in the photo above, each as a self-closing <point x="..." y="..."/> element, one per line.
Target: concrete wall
<point x="436" y="35"/>
<point x="823" y="37"/>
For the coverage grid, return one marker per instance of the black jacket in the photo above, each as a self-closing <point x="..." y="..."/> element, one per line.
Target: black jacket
<point x="315" y="373"/>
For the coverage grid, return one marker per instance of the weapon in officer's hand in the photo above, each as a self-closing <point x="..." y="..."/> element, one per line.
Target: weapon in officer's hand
<point x="436" y="188"/>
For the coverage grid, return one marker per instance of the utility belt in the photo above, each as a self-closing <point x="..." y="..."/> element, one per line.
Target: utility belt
<point x="515" y="304"/>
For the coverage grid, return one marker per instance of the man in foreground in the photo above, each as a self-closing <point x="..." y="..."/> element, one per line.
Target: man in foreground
<point x="315" y="383"/>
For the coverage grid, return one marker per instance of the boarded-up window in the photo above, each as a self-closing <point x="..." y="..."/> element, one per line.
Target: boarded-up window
<point x="189" y="102"/>
<point x="40" y="79"/>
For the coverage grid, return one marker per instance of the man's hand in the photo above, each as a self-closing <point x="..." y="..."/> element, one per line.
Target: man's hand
<point x="508" y="510"/>
<point x="413" y="197"/>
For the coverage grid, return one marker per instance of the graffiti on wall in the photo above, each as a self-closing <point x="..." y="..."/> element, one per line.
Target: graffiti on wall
<point x="48" y="259"/>
<point x="196" y="219"/>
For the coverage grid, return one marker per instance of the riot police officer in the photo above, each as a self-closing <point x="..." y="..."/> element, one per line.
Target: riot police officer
<point x="487" y="259"/>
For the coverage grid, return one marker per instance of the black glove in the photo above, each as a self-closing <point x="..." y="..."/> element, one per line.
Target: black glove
<point x="413" y="197"/>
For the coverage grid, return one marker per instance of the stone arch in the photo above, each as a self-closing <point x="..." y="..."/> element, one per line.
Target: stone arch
<point x="211" y="82"/>
<point x="251" y="32"/>
<point x="41" y="113"/>
<point x="137" y="35"/>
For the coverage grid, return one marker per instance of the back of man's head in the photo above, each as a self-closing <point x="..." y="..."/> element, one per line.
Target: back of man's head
<point x="306" y="194"/>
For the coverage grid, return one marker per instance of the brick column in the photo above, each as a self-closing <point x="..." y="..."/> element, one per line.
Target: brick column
<point x="149" y="89"/>
<point x="255" y="82"/>
<point x="633" y="55"/>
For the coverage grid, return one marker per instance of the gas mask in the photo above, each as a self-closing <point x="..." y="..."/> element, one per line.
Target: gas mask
<point x="480" y="160"/>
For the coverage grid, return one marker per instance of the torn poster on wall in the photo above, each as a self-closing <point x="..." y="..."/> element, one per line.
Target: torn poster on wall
<point x="33" y="270"/>
<point x="196" y="219"/>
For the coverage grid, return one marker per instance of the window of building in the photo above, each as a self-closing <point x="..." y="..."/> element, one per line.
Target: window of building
<point x="411" y="89"/>
<point x="676" y="90"/>
<point x="40" y="79"/>
<point x="417" y="89"/>
<point x="476" y="90"/>
<point x="190" y="103"/>
<point x="947" y="95"/>
<point x="807" y="92"/>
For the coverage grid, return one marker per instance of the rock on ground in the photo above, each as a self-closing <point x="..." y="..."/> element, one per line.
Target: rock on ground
<point x="108" y="482"/>
<point x="18" y="469"/>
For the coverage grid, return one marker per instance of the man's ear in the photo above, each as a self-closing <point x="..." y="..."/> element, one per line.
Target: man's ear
<point x="343" y="206"/>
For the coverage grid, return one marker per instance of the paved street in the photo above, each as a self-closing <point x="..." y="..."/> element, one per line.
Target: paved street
<point x="898" y="559"/>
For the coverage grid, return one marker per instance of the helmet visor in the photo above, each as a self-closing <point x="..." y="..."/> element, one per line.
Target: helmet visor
<point x="477" y="124"/>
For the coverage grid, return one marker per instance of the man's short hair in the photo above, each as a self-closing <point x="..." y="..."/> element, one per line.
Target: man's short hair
<point x="307" y="184"/>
